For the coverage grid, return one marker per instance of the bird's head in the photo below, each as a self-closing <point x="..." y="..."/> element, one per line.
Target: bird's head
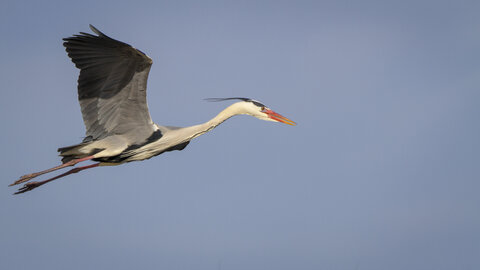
<point x="257" y="109"/>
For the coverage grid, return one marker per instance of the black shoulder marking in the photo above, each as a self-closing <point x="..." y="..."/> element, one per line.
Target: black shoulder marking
<point x="154" y="137"/>
<point x="178" y="147"/>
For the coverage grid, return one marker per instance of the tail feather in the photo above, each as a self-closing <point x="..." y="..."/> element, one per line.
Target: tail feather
<point x="74" y="152"/>
<point x="66" y="159"/>
<point x="62" y="150"/>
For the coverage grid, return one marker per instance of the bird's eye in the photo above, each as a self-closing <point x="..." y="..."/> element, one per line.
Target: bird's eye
<point x="262" y="108"/>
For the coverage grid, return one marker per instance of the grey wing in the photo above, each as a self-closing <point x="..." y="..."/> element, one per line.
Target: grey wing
<point x="111" y="86"/>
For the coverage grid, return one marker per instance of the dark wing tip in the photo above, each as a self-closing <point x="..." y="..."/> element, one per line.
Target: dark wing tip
<point x="96" y="31"/>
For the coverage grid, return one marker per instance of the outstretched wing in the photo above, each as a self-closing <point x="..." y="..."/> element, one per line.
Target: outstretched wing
<point x="112" y="85"/>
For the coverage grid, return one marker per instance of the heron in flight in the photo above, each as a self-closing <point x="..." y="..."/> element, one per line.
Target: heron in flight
<point x="112" y="95"/>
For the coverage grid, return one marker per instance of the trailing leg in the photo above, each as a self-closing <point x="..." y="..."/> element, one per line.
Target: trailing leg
<point x="32" y="185"/>
<point x="72" y="162"/>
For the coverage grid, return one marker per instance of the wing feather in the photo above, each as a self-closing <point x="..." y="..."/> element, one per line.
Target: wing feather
<point x="111" y="86"/>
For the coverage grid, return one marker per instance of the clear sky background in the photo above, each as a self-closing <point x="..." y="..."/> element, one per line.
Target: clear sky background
<point x="382" y="171"/>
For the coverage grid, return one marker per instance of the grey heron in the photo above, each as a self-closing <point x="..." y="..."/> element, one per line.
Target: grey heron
<point x="112" y="96"/>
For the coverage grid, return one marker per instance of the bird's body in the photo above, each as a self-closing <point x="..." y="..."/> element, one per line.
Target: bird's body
<point x="112" y="96"/>
<point x="116" y="149"/>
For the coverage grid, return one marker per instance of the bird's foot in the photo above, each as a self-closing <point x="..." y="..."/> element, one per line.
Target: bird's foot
<point x="29" y="186"/>
<point x="24" y="178"/>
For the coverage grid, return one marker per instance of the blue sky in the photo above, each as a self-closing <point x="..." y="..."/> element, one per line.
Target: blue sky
<point x="382" y="171"/>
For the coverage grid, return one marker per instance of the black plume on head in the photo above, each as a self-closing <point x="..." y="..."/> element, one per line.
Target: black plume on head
<point x="259" y="104"/>
<point x="230" y="98"/>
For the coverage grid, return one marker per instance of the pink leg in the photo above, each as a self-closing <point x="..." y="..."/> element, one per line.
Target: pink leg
<point x="27" y="177"/>
<point x="32" y="185"/>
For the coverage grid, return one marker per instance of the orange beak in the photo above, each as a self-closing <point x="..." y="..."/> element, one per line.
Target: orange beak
<point x="278" y="117"/>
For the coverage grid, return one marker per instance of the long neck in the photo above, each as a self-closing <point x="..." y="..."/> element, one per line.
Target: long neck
<point x="228" y="112"/>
